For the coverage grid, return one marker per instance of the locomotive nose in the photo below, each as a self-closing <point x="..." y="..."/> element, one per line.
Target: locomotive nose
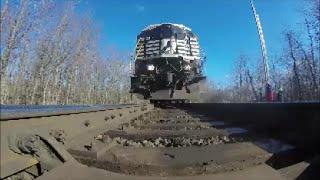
<point x="167" y="56"/>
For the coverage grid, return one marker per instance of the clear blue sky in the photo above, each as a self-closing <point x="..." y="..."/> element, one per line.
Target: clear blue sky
<point x="225" y="28"/>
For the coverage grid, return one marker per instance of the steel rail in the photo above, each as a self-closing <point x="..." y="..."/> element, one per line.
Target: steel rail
<point x="41" y="111"/>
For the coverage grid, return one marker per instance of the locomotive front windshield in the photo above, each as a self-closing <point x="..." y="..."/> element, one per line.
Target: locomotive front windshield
<point x="166" y="31"/>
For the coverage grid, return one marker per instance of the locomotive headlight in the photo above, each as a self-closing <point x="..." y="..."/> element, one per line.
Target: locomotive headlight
<point x="150" y="67"/>
<point x="187" y="67"/>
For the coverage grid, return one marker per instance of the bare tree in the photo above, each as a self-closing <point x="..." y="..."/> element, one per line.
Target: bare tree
<point x="53" y="57"/>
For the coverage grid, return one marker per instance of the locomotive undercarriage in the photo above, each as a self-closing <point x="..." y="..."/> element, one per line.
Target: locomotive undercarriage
<point x="164" y="73"/>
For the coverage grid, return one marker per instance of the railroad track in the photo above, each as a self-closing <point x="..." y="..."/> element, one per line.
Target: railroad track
<point x="194" y="141"/>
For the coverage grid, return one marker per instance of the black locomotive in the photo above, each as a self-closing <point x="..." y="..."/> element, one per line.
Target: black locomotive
<point x="167" y="59"/>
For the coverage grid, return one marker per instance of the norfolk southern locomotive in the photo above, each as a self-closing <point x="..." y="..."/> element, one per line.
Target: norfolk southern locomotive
<point x="167" y="61"/>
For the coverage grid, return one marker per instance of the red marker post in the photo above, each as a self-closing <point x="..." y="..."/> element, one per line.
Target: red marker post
<point x="269" y="95"/>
